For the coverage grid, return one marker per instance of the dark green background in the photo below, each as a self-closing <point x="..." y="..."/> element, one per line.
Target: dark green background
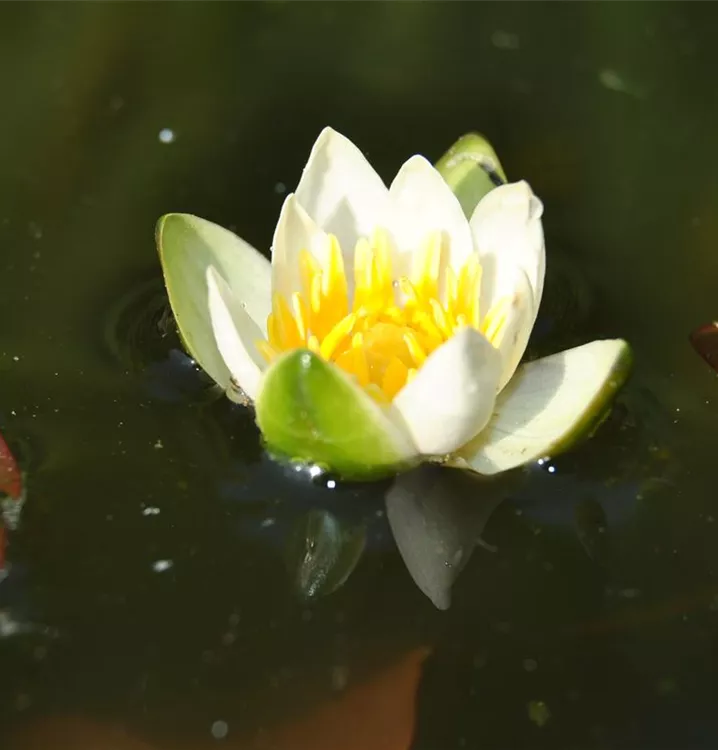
<point x="609" y="110"/>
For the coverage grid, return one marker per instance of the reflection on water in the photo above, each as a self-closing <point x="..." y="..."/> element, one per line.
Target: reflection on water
<point x="145" y="554"/>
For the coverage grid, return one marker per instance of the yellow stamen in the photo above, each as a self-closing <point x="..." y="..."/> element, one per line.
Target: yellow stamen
<point x="376" y="335"/>
<point x="416" y="350"/>
<point x="266" y="350"/>
<point x="394" y="377"/>
<point x="335" y="336"/>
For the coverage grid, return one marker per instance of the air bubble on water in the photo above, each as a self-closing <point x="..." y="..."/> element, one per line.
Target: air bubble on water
<point x="219" y="730"/>
<point x="505" y="40"/>
<point x="280" y="188"/>
<point x="331" y="484"/>
<point x="340" y="677"/>
<point x="166" y="135"/>
<point x="161" y="566"/>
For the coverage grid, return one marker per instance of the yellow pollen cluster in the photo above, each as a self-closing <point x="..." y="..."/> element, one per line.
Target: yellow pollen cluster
<point x="383" y="332"/>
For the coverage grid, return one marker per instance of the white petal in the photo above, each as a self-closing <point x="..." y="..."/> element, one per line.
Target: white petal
<point x="295" y="231"/>
<point x="235" y="333"/>
<point x="188" y="246"/>
<point x="452" y="396"/>
<point x="341" y="191"/>
<point x="422" y="202"/>
<point x="508" y="234"/>
<point x="519" y="324"/>
<point x="548" y="405"/>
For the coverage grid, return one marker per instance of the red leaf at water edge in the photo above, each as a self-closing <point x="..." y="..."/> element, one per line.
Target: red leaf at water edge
<point x="11" y="487"/>
<point x="705" y="341"/>
<point x="10" y="476"/>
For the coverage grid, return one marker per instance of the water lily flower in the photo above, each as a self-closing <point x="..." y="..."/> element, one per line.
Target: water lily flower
<point x="389" y="326"/>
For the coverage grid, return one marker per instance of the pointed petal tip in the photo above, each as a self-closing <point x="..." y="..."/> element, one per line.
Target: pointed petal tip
<point x="419" y="162"/>
<point x="330" y="137"/>
<point x="516" y="197"/>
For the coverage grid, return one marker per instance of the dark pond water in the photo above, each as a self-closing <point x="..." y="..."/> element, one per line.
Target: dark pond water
<point x="153" y="579"/>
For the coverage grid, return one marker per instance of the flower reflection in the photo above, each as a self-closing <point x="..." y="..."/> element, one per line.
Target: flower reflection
<point x="323" y="552"/>
<point x="437" y="517"/>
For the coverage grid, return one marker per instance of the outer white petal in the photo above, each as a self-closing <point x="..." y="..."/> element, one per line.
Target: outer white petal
<point x="548" y="405"/>
<point x="235" y="333"/>
<point x="508" y="234"/>
<point x="188" y="246"/>
<point x="452" y="396"/>
<point x="340" y="190"/>
<point x="295" y="231"/>
<point x="422" y="202"/>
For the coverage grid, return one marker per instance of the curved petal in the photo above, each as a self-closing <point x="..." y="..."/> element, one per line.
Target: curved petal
<point x="295" y="231"/>
<point x="508" y="234"/>
<point x="421" y="202"/>
<point x="341" y="191"/>
<point x="235" y="334"/>
<point x="188" y="246"/>
<point x="548" y="406"/>
<point x="452" y="396"/>
<point x="308" y="409"/>
<point x="520" y="318"/>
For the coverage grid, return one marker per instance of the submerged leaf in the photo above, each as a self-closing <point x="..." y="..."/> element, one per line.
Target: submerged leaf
<point x="309" y="410"/>
<point x="471" y="169"/>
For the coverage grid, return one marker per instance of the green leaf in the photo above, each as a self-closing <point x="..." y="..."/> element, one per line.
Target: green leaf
<point x="548" y="406"/>
<point x="187" y="247"/>
<point x="309" y="410"/>
<point x="471" y="169"/>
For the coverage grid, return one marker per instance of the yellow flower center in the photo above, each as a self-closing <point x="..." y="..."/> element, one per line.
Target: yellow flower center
<point x="383" y="333"/>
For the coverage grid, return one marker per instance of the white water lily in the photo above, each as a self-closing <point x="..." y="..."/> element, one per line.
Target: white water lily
<point x="388" y="327"/>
